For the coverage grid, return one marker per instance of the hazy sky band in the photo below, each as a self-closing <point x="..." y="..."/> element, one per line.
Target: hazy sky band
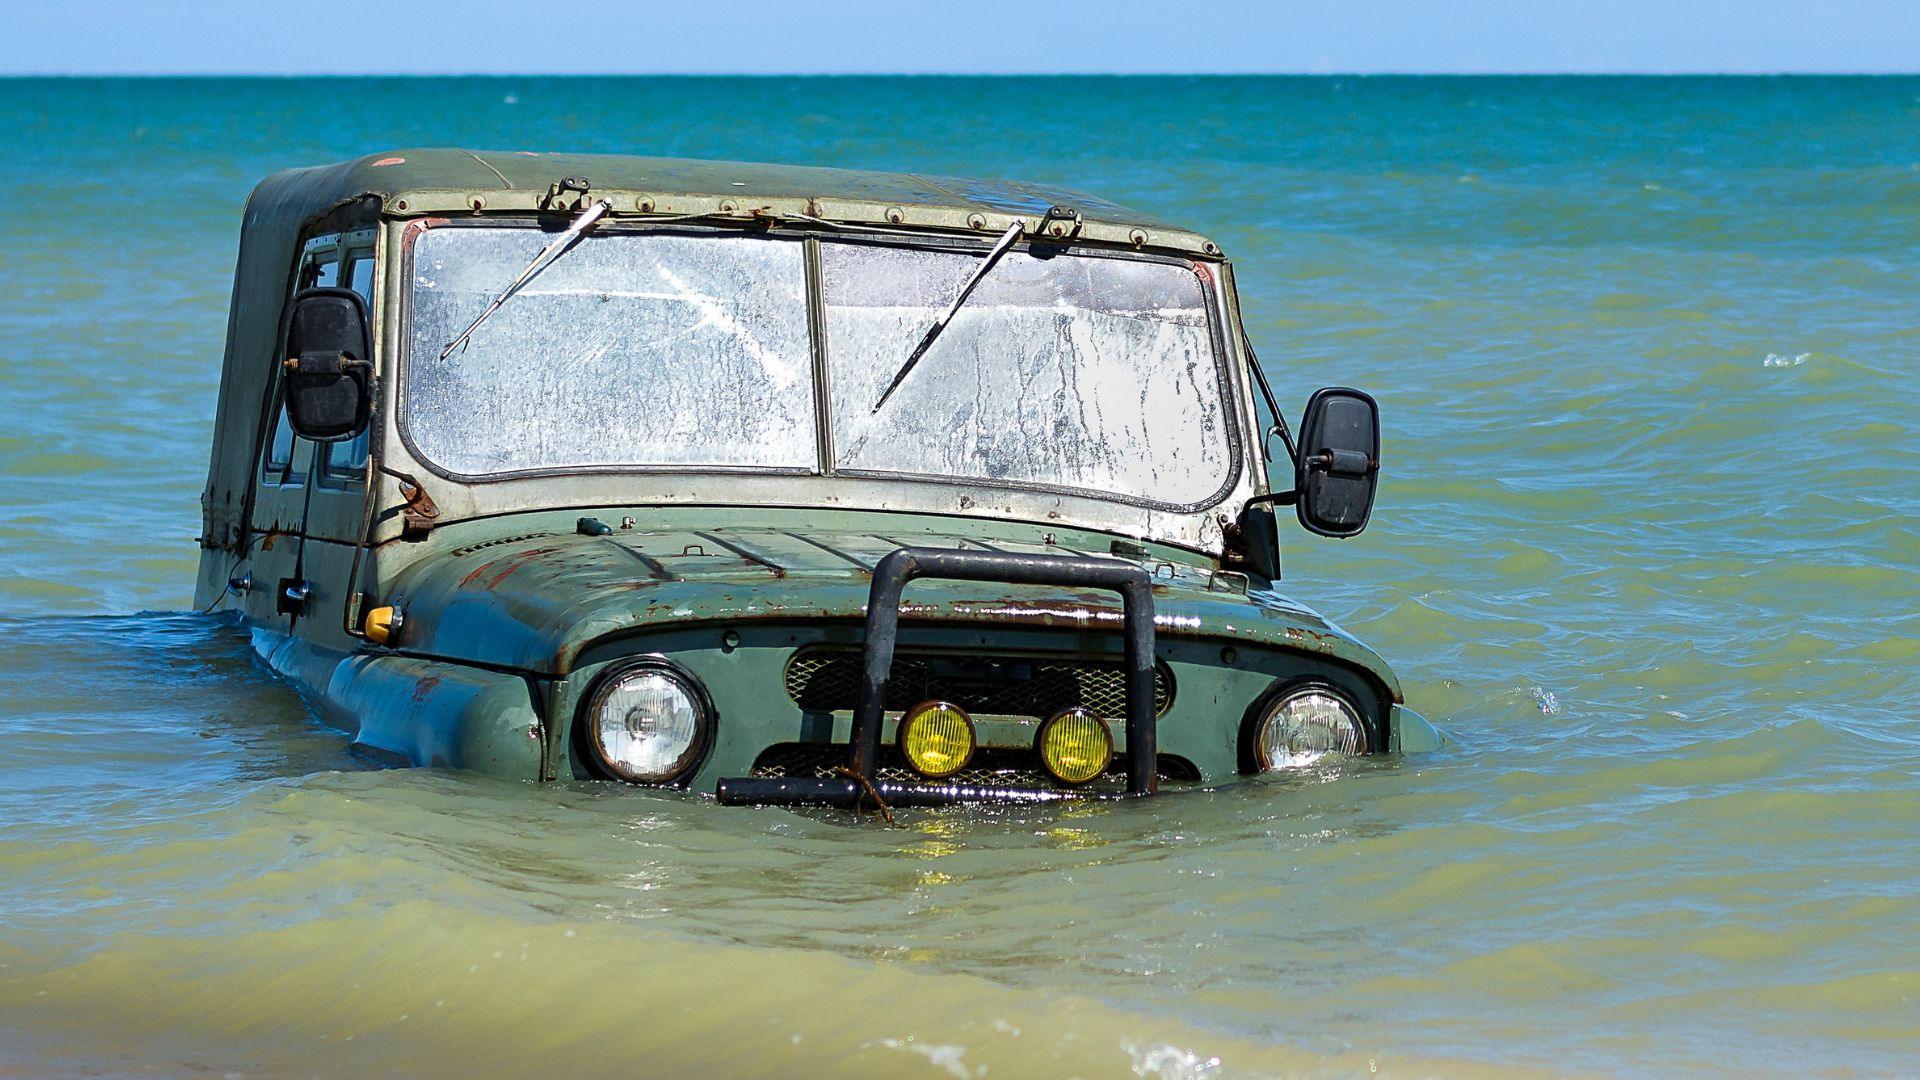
<point x="440" y="37"/>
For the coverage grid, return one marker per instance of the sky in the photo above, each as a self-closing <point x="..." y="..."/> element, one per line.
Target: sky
<point x="436" y="37"/>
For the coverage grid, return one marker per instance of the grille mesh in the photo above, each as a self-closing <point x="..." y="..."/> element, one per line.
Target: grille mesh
<point x="828" y="680"/>
<point x="990" y="768"/>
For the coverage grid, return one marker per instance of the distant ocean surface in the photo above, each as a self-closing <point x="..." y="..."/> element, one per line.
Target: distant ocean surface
<point x="1648" y="549"/>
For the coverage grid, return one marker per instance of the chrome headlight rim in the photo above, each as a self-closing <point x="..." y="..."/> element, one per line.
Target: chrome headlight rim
<point x="1270" y="703"/>
<point x="587" y="727"/>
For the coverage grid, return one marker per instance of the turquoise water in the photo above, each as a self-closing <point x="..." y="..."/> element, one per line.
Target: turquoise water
<point x="1648" y="550"/>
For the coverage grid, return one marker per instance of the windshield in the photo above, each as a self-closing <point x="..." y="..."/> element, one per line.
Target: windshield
<point x="656" y="351"/>
<point x="1059" y="371"/>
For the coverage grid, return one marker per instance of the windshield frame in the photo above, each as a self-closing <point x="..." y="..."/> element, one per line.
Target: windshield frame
<point x="822" y="469"/>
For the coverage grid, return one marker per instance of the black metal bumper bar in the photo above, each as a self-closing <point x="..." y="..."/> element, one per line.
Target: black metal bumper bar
<point x="890" y="576"/>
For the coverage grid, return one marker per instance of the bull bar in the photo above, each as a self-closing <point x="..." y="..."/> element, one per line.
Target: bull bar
<point x="890" y="577"/>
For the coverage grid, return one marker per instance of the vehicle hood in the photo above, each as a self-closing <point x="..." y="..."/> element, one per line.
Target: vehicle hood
<point x="533" y="602"/>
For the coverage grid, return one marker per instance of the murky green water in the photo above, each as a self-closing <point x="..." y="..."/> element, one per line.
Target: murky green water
<point x="1649" y="551"/>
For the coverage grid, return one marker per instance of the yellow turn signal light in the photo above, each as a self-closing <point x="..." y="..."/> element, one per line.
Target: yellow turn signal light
<point x="936" y="738"/>
<point x="383" y="625"/>
<point x="1075" y="746"/>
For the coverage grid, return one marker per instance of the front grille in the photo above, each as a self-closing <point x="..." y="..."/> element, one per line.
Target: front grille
<point x="828" y="680"/>
<point x="990" y="768"/>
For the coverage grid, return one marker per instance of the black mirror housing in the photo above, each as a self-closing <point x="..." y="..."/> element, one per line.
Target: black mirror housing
<point x="1254" y="541"/>
<point x="328" y="366"/>
<point x="1338" y="465"/>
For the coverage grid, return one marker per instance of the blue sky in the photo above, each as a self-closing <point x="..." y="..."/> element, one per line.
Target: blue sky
<point x="968" y="36"/>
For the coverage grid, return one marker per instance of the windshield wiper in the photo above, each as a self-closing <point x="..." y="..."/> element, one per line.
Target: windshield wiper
<point x="587" y="219"/>
<point x="1000" y="248"/>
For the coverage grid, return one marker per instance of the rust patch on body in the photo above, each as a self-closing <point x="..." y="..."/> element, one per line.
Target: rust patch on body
<point x="512" y="563"/>
<point x="423" y="688"/>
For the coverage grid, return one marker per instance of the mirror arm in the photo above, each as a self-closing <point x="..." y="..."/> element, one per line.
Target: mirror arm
<point x="1273" y="405"/>
<point x="1277" y="498"/>
<point x="1342" y="463"/>
<point x="324" y="363"/>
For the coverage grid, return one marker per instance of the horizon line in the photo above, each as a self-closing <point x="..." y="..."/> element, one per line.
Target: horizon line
<point x="1384" y="74"/>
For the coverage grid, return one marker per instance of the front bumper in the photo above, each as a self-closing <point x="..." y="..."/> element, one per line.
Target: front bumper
<point x="802" y="791"/>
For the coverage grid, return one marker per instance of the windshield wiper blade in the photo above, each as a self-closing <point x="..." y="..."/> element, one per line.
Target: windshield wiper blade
<point x="1000" y="248"/>
<point x="587" y="219"/>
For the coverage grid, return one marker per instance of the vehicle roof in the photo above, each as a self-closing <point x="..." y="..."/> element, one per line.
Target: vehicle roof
<point x="417" y="182"/>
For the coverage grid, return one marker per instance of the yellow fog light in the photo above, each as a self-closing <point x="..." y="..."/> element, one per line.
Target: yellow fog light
<point x="936" y="738"/>
<point x="1075" y="746"/>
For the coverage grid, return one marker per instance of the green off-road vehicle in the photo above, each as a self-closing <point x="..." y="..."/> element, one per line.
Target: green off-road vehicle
<point x="793" y="485"/>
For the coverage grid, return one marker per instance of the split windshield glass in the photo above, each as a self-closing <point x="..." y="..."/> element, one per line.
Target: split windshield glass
<point x="632" y="351"/>
<point x="1062" y="370"/>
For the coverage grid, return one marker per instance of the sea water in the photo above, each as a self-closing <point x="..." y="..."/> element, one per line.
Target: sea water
<point x="1647" y="549"/>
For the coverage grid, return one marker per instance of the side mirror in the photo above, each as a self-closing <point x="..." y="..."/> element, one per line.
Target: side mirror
<point x="1338" y="462"/>
<point x="328" y="370"/>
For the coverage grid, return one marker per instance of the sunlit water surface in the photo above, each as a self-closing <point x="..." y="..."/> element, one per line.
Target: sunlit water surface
<point x="1648" y="550"/>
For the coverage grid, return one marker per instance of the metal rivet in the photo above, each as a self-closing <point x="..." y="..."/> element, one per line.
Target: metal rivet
<point x="726" y="206"/>
<point x="1057" y="229"/>
<point x="977" y="221"/>
<point x="730" y="641"/>
<point x="401" y="205"/>
<point x="644" y="205"/>
<point x="478" y="203"/>
<point x="896" y="215"/>
<point x="1139" y="237"/>
<point x="1210" y="248"/>
<point x="1229" y="655"/>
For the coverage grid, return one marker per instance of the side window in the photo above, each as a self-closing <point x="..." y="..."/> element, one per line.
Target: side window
<point x="321" y="271"/>
<point x="360" y="274"/>
<point x="347" y="461"/>
<point x="279" y="460"/>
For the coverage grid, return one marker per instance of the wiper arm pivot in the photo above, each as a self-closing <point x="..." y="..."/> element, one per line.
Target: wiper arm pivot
<point x="587" y="219"/>
<point x="1004" y="245"/>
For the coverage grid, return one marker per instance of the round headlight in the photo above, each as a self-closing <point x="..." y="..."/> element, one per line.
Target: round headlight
<point x="648" y="724"/>
<point x="1305" y="724"/>
<point x="936" y="738"/>
<point x="1075" y="746"/>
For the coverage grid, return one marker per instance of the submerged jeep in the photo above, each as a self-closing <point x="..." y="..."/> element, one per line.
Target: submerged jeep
<point x="792" y="485"/>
